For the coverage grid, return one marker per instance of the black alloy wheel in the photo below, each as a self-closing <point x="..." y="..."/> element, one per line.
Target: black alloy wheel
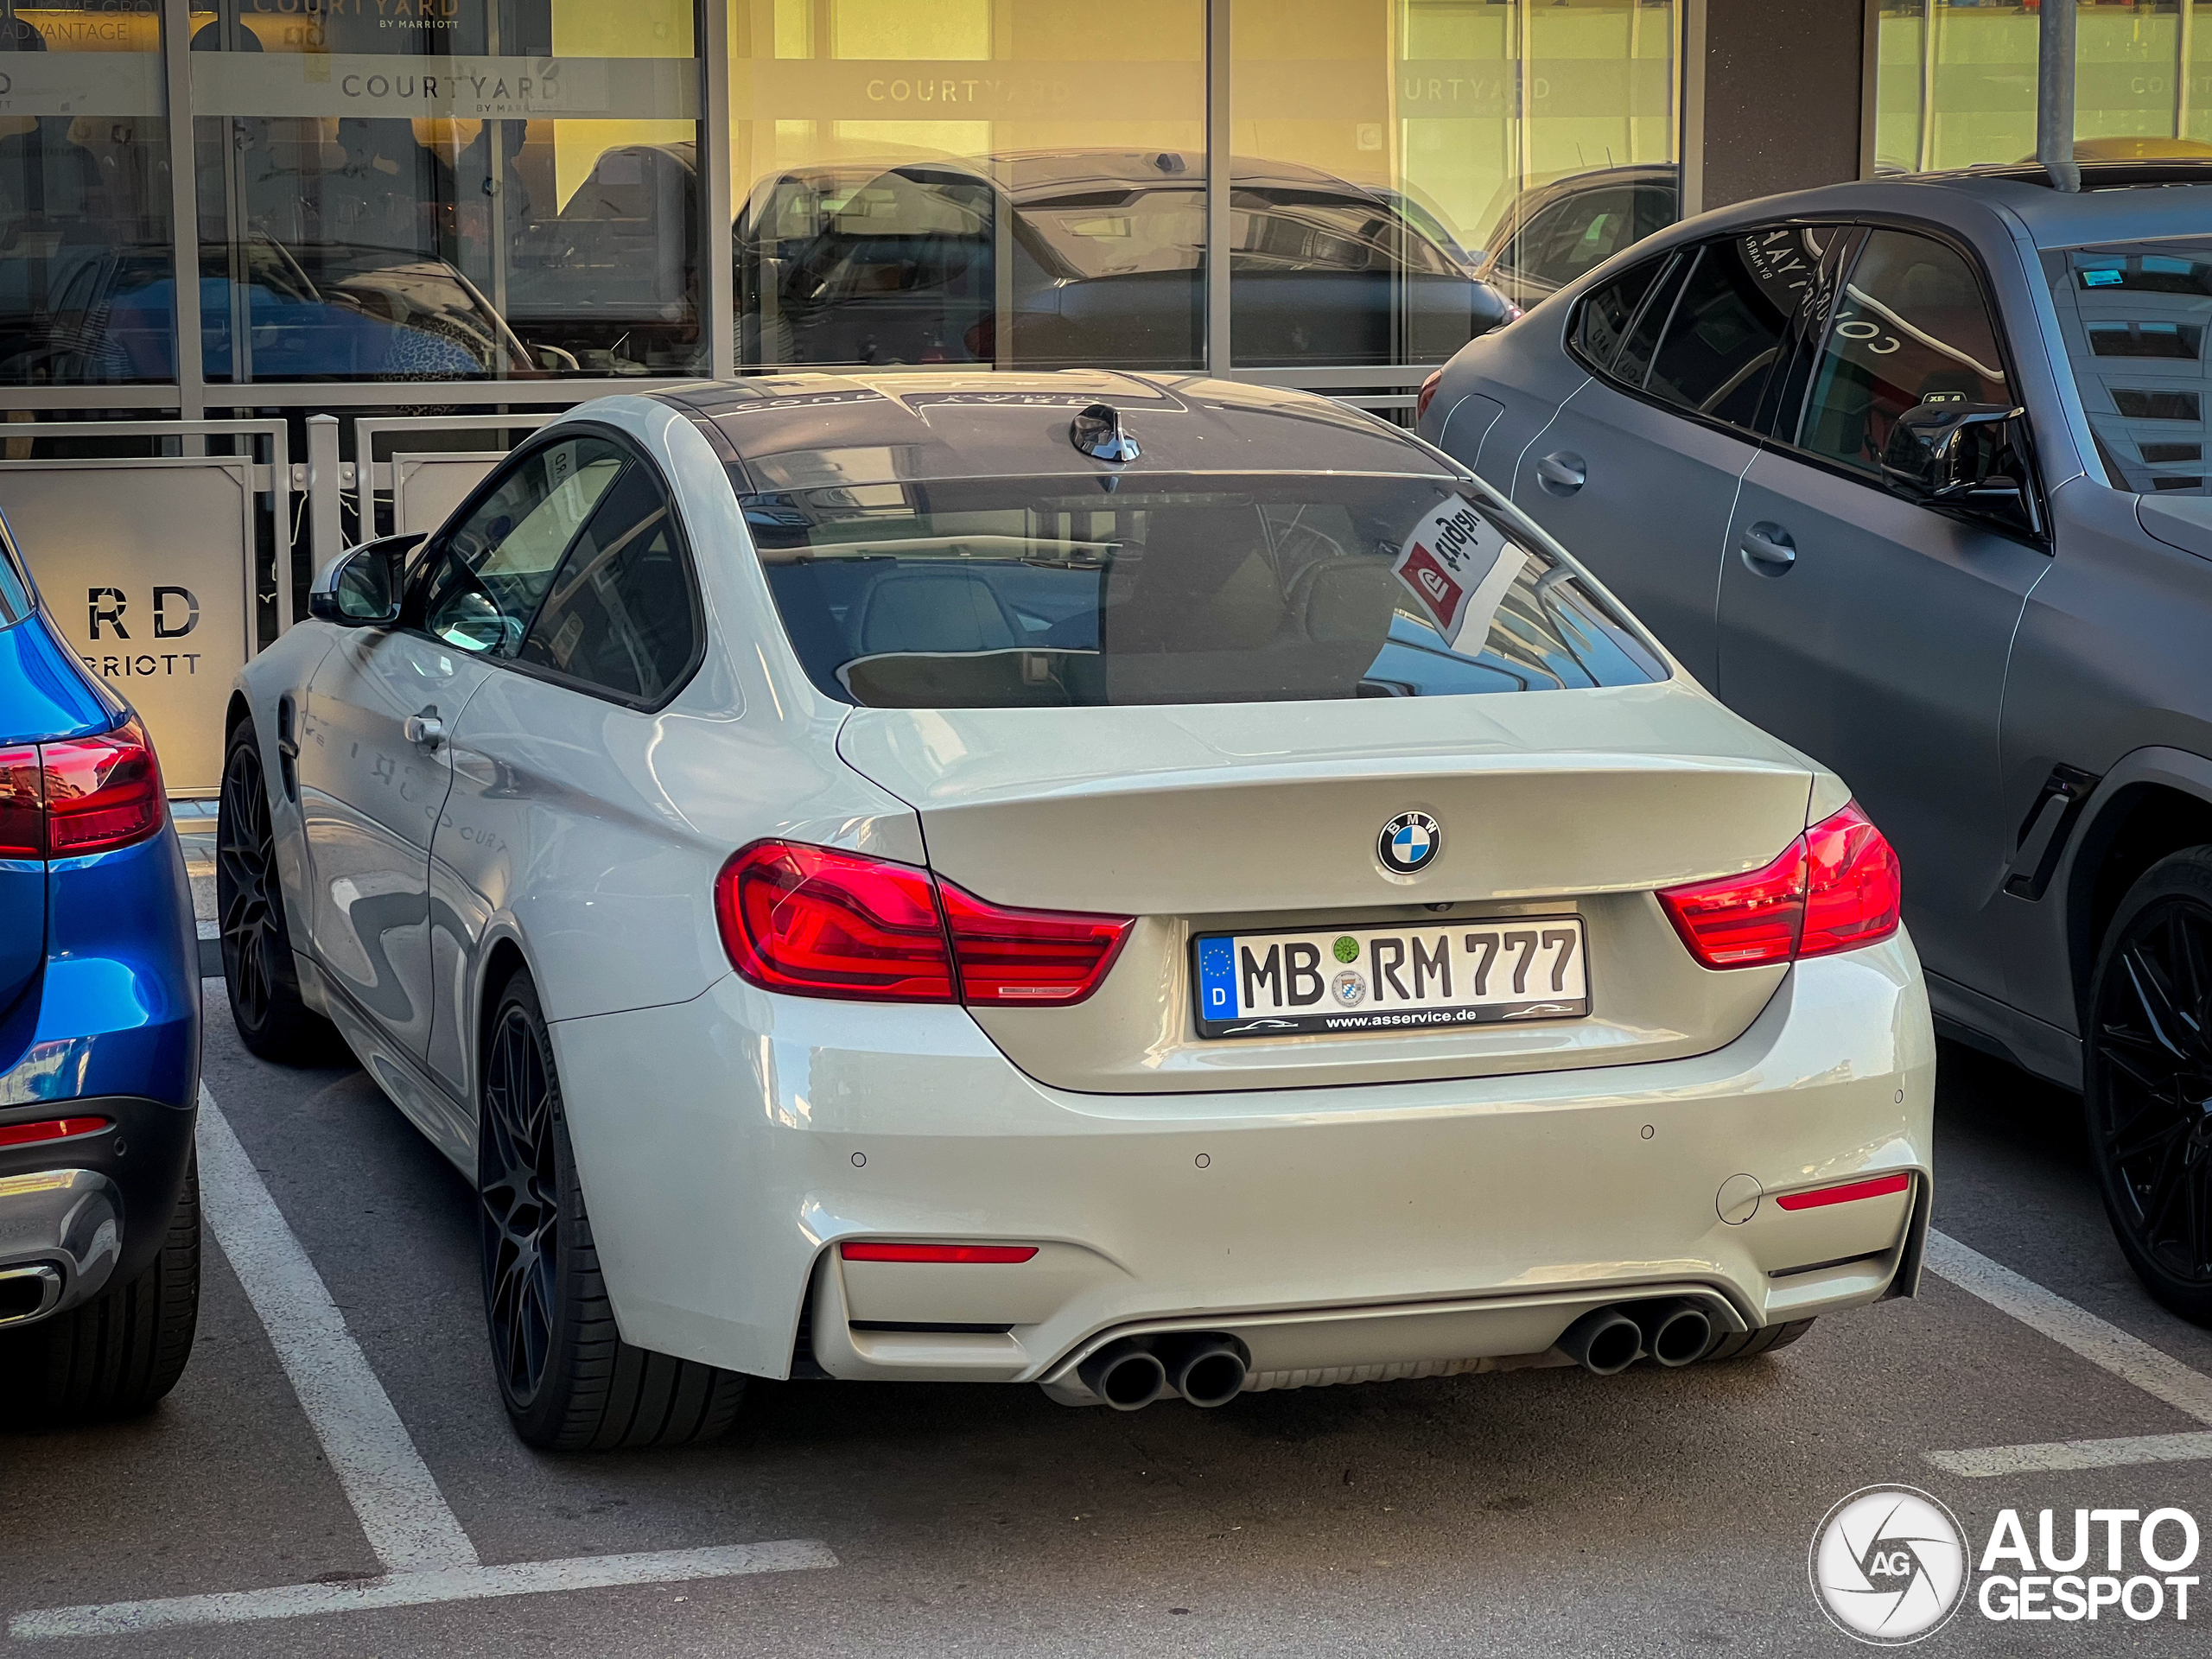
<point x="245" y="872"/>
<point x="265" y="1003"/>
<point x="569" y="1381"/>
<point x="2148" y="1080"/>
<point x="518" y="1180"/>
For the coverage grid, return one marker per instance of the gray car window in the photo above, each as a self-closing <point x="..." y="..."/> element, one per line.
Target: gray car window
<point x="485" y="576"/>
<point x="1727" y="330"/>
<point x="1200" y="588"/>
<point x="2134" y="317"/>
<point x="1910" y="326"/>
<point x="620" y="615"/>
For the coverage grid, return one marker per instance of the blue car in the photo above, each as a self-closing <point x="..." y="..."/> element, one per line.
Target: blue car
<point x="99" y="1041"/>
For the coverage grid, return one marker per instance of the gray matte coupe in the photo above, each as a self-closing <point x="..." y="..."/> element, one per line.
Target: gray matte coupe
<point x="1912" y="473"/>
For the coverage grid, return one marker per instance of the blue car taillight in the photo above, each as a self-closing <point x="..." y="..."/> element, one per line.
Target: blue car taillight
<point x="22" y="813"/>
<point x="80" y="795"/>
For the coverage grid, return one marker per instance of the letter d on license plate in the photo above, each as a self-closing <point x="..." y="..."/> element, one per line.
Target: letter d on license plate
<point x="1367" y="979"/>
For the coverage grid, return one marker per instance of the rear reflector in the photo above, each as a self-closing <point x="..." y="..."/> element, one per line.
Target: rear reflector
<point x="999" y="1253"/>
<point x="1835" y="887"/>
<point x="1879" y="1187"/>
<point x="48" y="1128"/>
<point x="817" y="921"/>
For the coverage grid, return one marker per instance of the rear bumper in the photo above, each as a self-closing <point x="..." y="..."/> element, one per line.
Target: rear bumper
<point x="80" y="1215"/>
<point x="726" y="1144"/>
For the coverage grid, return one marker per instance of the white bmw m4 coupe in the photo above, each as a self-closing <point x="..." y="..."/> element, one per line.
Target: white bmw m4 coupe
<point x="1142" y="885"/>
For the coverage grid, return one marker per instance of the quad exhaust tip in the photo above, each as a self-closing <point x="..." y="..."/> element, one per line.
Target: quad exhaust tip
<point x="1208" y="1368"/>
<point x="1673" y="1331"/>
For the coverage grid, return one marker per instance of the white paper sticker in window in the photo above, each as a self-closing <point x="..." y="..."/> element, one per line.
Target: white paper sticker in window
<point x="1457" y="565"/>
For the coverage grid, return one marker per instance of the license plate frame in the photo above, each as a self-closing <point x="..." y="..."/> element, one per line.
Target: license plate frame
<point x="1467" y="962"/>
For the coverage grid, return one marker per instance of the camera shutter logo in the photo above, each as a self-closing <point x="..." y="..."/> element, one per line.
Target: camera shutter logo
<point x="1889" y="1565"/>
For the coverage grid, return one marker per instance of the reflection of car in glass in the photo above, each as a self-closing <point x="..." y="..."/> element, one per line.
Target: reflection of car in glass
<point x="100" y="1042"/>
<point x="1933" y="457"/>
<point x="1552" y="233"/>
<point x="894" y="264"/>
<point x="615" y="275"/>
<point x="1086" y="880"/>
<point x="315" y="312"/>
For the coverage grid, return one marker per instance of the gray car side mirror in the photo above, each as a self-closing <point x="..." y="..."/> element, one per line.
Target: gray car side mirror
<point x="1966" y="457"/>
<point x="361" y="589"/>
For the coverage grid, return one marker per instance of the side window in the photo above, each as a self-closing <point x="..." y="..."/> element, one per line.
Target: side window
<point x="1910" y="327"/>
<point x="484" y="578"/>
<point x="620" y="615"/>
<point x="1607" y="313"/>
<point x="1585" y="232"/>
<point x="1728" y="328"/>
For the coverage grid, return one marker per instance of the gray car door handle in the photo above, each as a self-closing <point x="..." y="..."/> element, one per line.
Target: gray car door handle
<point x="1768" y="549"/>
<point x="425" y="729"/>
<point x="1562" y="473"/>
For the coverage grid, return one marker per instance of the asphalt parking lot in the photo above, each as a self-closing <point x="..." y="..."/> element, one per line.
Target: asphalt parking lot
<point x="1526" y="1512"/>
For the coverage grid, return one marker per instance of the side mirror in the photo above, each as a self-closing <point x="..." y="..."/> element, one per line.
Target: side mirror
<point x="1964" y="456"/>
<point x="554" y="360"/>
<point x="361" y="589"/>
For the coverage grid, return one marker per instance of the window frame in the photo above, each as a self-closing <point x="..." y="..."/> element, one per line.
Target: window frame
<point x="1691" y="248"/>
<point x="1815" y="342"/>
<point x="433" y="551"/>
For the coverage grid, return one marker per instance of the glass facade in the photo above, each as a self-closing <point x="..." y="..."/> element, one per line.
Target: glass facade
<point x="519" y="191"/>
<point x="1957" y="82"/>
<point x="87" y="266"/>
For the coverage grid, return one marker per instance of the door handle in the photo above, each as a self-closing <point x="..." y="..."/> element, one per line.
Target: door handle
<point x="425" y="729"/>
<point x="1768" y="550"/>
<point x="1562" y="473"/>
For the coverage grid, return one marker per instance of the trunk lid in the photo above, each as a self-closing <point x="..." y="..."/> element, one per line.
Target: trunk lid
<point x="1265" y="817"/>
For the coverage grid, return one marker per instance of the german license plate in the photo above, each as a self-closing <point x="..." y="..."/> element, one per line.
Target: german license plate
<point x="1355" y="979"/>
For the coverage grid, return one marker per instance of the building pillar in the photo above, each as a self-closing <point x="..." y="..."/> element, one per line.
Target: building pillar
<point x="1784" y="104"/>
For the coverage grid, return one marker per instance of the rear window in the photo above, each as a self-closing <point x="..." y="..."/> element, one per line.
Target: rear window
<point x="2134" y="316"/>
<point x="1025" y="591"/>
<point x="15" y="592"/>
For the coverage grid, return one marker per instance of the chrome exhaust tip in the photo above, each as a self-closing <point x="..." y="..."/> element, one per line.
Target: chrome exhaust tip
<point x="1208" y="1371"/>
<point x="1124" y="1376"/>
<point x="1676" y="1332"/>
<point x="1603" y="1342"/>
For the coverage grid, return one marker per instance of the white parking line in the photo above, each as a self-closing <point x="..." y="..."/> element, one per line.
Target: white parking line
<point x="426" y="1555"/>
<point x="2099" y="1342"/>
<point x="411" y="1526"/>
<point x="420" y="1589"/>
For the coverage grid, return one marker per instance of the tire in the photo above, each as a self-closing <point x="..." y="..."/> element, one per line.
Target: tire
<point x="116" y="1355"/>
<point x="1748" y="1344"/>
<point x="2145" y="1061"/>
<point x="273" y="1021"/>
<point x="569" y="1382"/>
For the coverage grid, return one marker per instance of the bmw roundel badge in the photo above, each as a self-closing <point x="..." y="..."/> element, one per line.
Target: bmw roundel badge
<point x="1409" y="843"/>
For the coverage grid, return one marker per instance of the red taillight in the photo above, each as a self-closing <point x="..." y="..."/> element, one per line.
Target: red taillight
<point x="1835" y="887"/>
<point x="1427" y="393"/>
<point x="821" y="923"/>
<point x="22" y="815"/>
<point x="999" y="1253"/>
<point x="80" y="795"/>
<point x="1017" y="958"/>
<point x="1879" y="1187"/>
<point x="50" y="1129"/>
<point x="101" y="792"/>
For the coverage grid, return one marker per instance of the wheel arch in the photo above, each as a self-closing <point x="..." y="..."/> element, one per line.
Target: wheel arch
<point x="2154" y="802"/>
<point x="504" y="958"/>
